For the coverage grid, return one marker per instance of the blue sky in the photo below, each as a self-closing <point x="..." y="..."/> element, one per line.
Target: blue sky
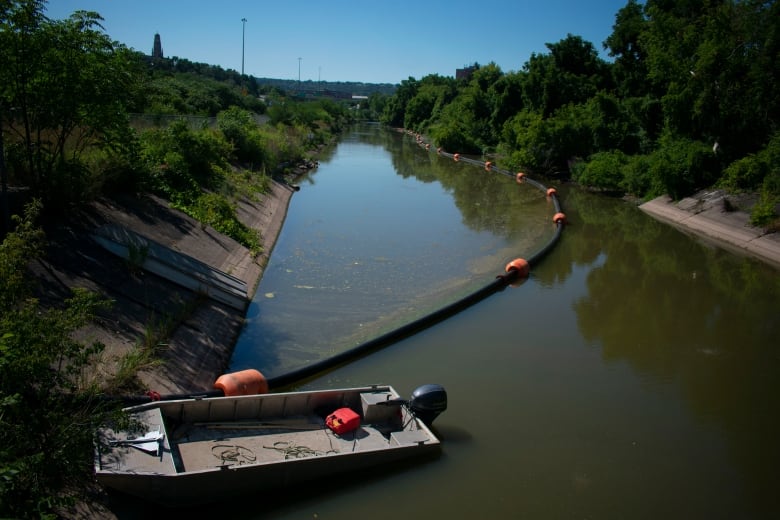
<point x="344" y="40"/>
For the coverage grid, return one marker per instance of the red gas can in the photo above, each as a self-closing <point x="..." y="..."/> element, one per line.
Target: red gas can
<point x="343" y="420"/>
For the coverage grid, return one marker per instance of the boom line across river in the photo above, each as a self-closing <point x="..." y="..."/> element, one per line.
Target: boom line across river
<point x="515" y="271"/>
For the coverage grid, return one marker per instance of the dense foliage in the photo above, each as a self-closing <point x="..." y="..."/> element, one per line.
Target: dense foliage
<point x="690" y="99"/>
<point x="48" y="409"/>
<point x="82" y="116"/>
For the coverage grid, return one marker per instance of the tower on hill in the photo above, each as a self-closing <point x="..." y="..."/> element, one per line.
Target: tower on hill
<point x="157" y="49"/>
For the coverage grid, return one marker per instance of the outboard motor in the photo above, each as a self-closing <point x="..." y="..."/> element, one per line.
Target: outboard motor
<point x="427" y="402"/>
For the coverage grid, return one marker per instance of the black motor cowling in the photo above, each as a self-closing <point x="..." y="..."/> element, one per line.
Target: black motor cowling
<point x="427" y="402"/>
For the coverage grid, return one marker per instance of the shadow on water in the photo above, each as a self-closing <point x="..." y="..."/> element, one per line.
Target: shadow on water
<point x="682" y="314"/>
<point x="683" y="297"/>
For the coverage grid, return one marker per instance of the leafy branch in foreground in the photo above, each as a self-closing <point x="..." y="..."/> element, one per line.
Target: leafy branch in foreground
<point x="47" y="415"/>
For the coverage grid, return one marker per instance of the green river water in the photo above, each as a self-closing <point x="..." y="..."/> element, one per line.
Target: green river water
<point x="634" y="375"/>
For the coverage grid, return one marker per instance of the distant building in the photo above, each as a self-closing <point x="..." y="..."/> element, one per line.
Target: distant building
<point x="157" y="49"/>
<point x="465" y="73"/>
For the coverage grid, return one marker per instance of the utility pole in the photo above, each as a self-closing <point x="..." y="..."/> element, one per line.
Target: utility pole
<point x="299" y="72"/>
<point x="243" y="39"/>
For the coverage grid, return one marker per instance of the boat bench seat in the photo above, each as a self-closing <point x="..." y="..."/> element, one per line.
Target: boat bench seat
<point x="124" y="456"/>
<point x="409" y="437"/>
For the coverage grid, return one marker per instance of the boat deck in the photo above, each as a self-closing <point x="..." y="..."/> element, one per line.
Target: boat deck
<point x="208" y="446"/>
<point x="195" y="447"/>
<point x="123" y="456"/>
<point x="211" y="434"/>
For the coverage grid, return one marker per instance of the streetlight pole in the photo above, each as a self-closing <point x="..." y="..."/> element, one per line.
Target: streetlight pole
<point x="6" y="216"/>
<point x="243" y="39"/>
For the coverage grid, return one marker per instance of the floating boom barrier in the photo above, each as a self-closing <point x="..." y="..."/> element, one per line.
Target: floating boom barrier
<point x="251" y="381"/>
<point x="514" y="272"/>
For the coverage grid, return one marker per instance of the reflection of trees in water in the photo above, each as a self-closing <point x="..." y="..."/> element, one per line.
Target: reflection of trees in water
<point x="683" y="313"/>
<point x="519" y="216"/>
<point x="488" y="201"/>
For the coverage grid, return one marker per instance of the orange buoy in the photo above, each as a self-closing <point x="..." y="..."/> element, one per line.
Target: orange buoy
<point x="559" y="218"/>
<point x="551" y="192"/>
<point x="456" y="157"/>
<point x="520" y="177"/>
<point x="488" y="165"/>
<point x="245" y="382"/>
<point x="520" y="265"/>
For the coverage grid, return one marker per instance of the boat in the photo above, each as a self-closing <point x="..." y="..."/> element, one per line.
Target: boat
<point x="206" y="449"/>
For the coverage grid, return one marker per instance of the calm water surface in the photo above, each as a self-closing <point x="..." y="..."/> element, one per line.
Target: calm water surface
<point x="379" y="235"/>
<point x="635" y="374"/>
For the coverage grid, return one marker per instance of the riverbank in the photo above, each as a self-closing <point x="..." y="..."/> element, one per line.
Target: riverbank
<point x="192" y="335"/>
<point x="713" y="216"/>
<point x="201" y="332"/>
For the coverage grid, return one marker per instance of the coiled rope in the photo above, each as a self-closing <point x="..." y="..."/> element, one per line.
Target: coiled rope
<point x="232" y="454"/>
<point x="290" y="450"/>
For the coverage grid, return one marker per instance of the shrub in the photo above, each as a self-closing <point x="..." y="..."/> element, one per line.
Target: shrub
<point x="636" y="175"/>
<point x="239" y="129"/>
<point x="744" y="174"/>
<point x="603" y="170"/>
<point x="764" y="213"/>
<point x="749" y="172"/>
<point x="453" y="137"/>
<point x="182" y="160"/>
<point x="679" y="166"/>
<point x="48" y="414"/>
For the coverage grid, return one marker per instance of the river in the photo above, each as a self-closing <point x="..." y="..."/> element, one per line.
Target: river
<point x="635" y="374"/>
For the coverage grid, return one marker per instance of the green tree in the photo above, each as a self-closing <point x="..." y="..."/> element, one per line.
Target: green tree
<point x="716" y="66"/>
<point x="613" y="123"/>
<point x="395" y="109"/>
<point x="464" y="125"/>
<point x="507" y="100"/>
<point x="524" y="142"/>
<point x="376" y="105"/>
<point x="757" y="172"/>
<point x="48" y="410"/>
<point x="571" y="73"/>
<point x="624" y="45"/>
<point x="459" y="129"/>
<point x="679" y="166"/>
<point x="69" y="87"/>
<point x="603" y="170"/>
<point x="433" y="93"/>
<point x="238" y="127"/>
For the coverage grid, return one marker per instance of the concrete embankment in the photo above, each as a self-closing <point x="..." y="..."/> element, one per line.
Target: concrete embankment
<point x="708" y="215"/>
<point x="194" y="334"/>
<point x="200" y="349"/>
